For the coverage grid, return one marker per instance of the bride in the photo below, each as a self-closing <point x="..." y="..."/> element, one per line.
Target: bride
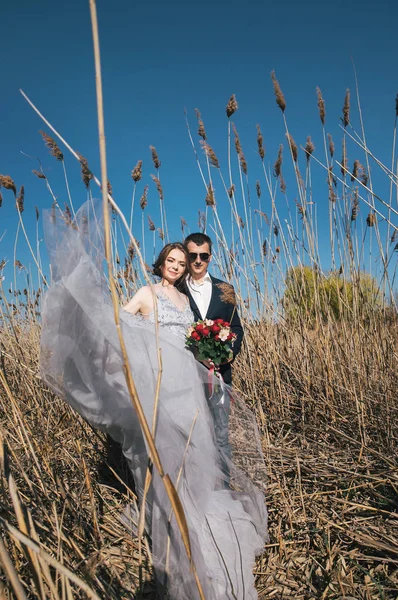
<point x="82" y="362"/>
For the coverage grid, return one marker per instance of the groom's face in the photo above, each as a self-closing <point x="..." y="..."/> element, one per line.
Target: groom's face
<point x="200" y="258"/>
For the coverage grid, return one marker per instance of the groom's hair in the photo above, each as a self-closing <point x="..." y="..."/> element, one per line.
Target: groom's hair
<point x="199" y="239"/>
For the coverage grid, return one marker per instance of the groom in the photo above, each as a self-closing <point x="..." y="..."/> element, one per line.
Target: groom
<point x="211" y="298"/>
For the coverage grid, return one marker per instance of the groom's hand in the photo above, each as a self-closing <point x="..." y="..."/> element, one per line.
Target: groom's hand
<point x="209" y="364"/>
<point x="226" y="362"/>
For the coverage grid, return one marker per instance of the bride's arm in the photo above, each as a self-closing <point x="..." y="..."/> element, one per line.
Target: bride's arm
<point x="141" y="302"/>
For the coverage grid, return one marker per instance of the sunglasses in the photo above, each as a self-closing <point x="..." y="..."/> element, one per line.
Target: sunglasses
<point x="204" y="256"/>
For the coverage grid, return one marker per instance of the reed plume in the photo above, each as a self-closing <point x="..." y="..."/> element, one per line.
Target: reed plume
<point x="208" y="150"/>
<point x="265" y="248"/>
<point x="279" y="97"/>
<point x="263" y="214"/>
<point x="227" y="295"/>
<point x="52" y="146"/>
<point x="201" y="126"/>
<point x="396" y="106"/>
<point x="19" y="202"/>
<point x="241" y="222"/>
<point x="67" y="215"/>
<point x="346" y="109"/>
<point x="7" y="183"/>
<point x="210" y="200"/>
<point x="131" y="250"/>
<point x="232" y="106"/>
<point x="161" y="233"/>
<point x="321" y="106"/>
<point x="231" y="190"/>
<point x="260" y="143"/>
<point x="362" y="174"/>
<point x="371" y="219"/>
<point x="355" y="170"/>
<point x="155" y="157"/>
<point x="201" y="221"/>
<point x="278" y="163"/>
<point x="300" y="209"/>
<point x="144" y="199"/>
<point x="151" y="224"/>
<point x="136" y="173"/>
<point x="344" y="160"/>
<point x="243" y="163"/>
<point x="332" y="181"/>
<point x="258" y="189"/>
<point x="309" y="148"/>
<point x="331" y="145"/>
<point x="39" y="174"/>
<point x="85" y="171"/>
<point x="158" y="186"/>
<point x="332" y="195"/>
<point x="355" y="206"/>
<point x="293" y="147"/>
<point x="238" y="146"/>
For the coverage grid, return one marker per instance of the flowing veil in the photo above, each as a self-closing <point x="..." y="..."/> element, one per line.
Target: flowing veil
<point x="82" y="362"/>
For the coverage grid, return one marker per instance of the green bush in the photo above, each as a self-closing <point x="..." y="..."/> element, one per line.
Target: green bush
<point x="310" y="295"/>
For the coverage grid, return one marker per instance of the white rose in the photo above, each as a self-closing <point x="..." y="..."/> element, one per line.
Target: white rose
<point x="190" y="330"/>
<point x="223" y="335"/>
<point x="209" y="322"/>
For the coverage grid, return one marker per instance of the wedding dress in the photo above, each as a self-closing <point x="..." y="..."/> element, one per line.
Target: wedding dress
<point x="81" y="361"/>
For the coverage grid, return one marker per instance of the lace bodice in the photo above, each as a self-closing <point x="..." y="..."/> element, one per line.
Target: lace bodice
<point x="170" y="317"/>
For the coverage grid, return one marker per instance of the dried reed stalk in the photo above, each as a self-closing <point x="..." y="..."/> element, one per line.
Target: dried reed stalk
<point x="170" y="489"/>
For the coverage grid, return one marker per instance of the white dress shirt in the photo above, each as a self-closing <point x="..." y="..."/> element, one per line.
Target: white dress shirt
<point x="201" y="293"/>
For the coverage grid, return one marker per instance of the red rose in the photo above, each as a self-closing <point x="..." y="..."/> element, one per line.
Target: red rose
<point x="231" y="335"/>
<point x="219" y="321"/>
<point x="199" y="327"/>
<point x="217" y="337"/>
<point x="195" y="335"/>
<point x="205" y="331"/>
<point x="215" y="328"/>
<point x="226" y="324"/>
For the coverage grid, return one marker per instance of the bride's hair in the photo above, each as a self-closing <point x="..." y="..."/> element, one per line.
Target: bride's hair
<point x="161" y="259"/>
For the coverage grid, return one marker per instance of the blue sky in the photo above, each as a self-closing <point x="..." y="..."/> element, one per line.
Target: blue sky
<point x="158" y="58"/>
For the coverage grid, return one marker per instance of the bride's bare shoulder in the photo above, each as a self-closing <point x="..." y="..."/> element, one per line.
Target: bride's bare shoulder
<point x="142" y="301"/>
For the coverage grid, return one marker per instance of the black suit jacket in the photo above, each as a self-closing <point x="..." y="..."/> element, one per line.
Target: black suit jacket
<point x="219" y="309"/>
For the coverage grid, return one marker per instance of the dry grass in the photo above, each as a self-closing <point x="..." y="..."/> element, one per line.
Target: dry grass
<point x="331" y="461"/>
<point x="332" y="501"/>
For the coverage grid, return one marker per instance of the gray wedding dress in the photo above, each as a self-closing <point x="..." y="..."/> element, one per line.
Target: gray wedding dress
<point x="81" y="361"/>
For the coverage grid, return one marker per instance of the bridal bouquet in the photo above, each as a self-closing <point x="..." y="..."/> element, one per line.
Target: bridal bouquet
<point x="211" y="340"/>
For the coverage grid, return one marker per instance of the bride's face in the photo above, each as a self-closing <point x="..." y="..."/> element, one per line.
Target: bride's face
<point x="174" y="266"/>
